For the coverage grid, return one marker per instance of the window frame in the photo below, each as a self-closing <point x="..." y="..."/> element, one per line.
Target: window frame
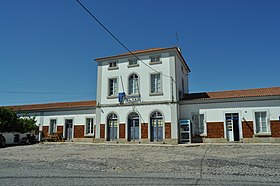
<point x="201" y="123"/>
<point x="134" y="64"/>
<point x="113" y="67"/>
<point x="260" y="133"/>
<point x="91" y="128"/>
<point x="54" y="128"/>
<point x="108" y="86"/>
<point x="153" y="62"/>
<point x="133" y="82"/>
<point x="159" y="92"/>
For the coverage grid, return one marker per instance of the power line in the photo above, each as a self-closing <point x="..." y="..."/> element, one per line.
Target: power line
<point x="114" y="36"/>
<point x="39" y="92"/>
<point x="107" y="30"/>
<point x="46" y="100"/>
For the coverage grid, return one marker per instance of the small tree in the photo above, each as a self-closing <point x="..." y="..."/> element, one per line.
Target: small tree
<point x="10" y="122"/>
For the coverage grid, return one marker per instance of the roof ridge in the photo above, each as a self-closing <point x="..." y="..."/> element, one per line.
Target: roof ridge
<point x="54" y="105"/>
<point x="264" y="88"/>
<point x="253" y="92"/>
<point x="82" y="101"/>
<point x="136" y="52"/>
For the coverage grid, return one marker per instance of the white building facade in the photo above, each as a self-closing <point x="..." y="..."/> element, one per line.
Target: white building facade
<point x="143" y="97"/>
<point x="75" y="121"/>
<point x="152" y="82"/>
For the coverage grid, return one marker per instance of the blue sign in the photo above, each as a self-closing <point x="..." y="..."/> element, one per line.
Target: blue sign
<point x="121" y="97"/>
<point x="279" y="118"/>
<point x="185" y="122"/>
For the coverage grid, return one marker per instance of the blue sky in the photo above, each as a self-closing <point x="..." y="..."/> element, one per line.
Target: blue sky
<point x="47" y="48"/>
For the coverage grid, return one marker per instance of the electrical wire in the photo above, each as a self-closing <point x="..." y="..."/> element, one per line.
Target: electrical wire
<point x="47" y="100"/>
<point x="39" y="92"/>
<point x="107" y="30"/>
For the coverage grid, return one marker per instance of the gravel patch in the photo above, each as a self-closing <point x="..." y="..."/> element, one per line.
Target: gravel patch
<point x="87" y="164"/>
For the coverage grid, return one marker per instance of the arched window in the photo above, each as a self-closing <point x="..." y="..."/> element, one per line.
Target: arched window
<point x="133" y="84"/>
<point x="112" y="126"/>
<point x="156" y="114"/>
<point x="156" y="121"/>
<point x="113" y="116"/>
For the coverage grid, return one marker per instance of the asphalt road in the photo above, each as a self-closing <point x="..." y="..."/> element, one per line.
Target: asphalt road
<point x="91" y="164"/>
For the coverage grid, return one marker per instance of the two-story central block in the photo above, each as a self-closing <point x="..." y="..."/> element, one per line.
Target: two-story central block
<point x="138" y="96"/>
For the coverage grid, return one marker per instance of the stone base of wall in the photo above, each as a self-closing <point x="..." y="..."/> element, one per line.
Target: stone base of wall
<point x="261" y="140"/>
<point x="171" y="141"/>
<point x="99" y="140"/>
<point x="120" y="141"/>
<point x="214" y="140"/>
<point x="144" y="141"/>
<point x="197" y="139"/>
<point x="83" y="140"/>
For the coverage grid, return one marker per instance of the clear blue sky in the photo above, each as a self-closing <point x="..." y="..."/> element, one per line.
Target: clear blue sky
<point x="50" y="46"/>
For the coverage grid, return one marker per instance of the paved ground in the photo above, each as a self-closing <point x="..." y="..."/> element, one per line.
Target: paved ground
<point x="91" y="164"/>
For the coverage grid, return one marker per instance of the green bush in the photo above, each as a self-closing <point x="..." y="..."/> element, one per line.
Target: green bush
<point x="10" y="122"/>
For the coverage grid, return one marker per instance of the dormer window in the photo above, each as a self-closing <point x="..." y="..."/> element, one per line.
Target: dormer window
<point x="113" y="65"/>
<point x="155" y="60"/>
<point x="132" y="63"/>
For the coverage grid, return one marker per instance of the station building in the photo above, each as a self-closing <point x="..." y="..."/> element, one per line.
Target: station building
<point x="143" y="97"/>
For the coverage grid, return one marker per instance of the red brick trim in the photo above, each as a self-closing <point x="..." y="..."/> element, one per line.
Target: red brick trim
<point x="79" y="131"/>
<point x="60" y="129"/>
<point x="215" y="129"/>
<point x="45" y="131"/>
<point x="275" y="128"/>
<point x="122" y="130"/>
<point x="102" y="130"/>
<point x="167" y="130"/>
<point x="144" y="130"/>
<point x="247" y="129"/>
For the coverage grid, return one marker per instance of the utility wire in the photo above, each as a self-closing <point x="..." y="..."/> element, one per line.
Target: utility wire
<point x="46" y="100"/>
<point x="123" y="44"/>
<point x="37" y="92"/>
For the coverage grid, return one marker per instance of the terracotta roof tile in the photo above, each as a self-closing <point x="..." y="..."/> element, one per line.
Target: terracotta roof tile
<point x="49" y="106"/>
<point x="136" y="52"/>
<point x="257" y="92"/>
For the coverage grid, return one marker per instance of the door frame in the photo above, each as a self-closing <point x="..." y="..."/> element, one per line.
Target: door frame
<point x="150" y="125"/>
<point x="107" y="128"/>
<point x="239" y="124"/>
<point x="64" y="131"/>
<point x="129" y="128"/>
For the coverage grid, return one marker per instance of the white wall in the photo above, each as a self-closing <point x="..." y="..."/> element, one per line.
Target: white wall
<point x="143" y="73"/>
<point x="215" y="111"/>
<point x="144" y="112"/>
<point x="78" y="116"/>
<point x="10" y="137"/>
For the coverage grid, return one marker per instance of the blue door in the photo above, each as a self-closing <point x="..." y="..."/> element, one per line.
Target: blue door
<point x="112" y="127"/>
<point x="112" y="130"/>
<point x="133" y="127"/>
<point x="156" y="126"/>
